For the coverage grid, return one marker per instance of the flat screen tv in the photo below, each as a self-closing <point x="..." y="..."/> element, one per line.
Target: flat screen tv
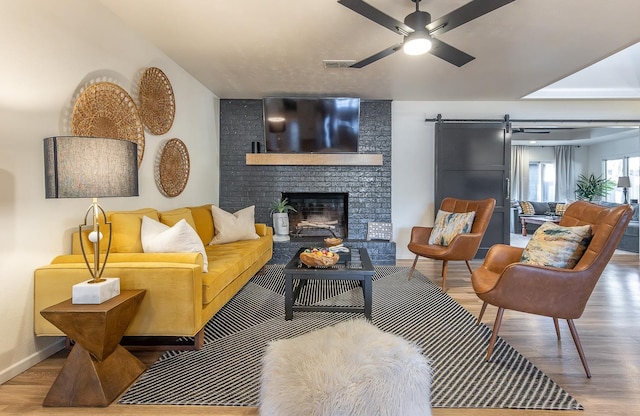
<point x="311" y="125"/>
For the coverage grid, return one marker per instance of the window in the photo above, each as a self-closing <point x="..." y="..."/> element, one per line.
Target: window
<point x="542" y="181"/>
<point x="613" y="169"/>
<point x="626" y="166"/>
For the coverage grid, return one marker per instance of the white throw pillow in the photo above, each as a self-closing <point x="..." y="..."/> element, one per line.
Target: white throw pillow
<point x="181" y="238"/>
<point x="233" y="227"/>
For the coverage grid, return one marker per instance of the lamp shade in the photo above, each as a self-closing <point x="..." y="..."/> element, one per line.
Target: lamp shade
<point x="624" y="182"/>
<point x="90" y="167"/>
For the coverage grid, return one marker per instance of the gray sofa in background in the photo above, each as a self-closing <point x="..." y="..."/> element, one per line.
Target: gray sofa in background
<point x="630" y="240"/>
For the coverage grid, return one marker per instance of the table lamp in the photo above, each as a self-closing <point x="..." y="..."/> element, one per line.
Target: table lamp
<point x="624" y="183"/>
<point x="91" y="167"/>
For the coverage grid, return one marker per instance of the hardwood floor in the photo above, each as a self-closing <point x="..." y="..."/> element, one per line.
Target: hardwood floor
<point x="609" y="329"/>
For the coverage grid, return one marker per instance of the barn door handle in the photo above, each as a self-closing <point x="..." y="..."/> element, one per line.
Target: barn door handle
<point x="508" y="189"/>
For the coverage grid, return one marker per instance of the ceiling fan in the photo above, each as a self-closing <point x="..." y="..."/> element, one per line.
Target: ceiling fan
<point x="420" y="33"/>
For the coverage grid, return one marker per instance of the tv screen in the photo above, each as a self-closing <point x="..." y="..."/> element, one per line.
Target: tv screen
<point x="311" y="125"/>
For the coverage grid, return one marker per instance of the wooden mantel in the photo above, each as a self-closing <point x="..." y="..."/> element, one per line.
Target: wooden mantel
<point x="324" y="159"/>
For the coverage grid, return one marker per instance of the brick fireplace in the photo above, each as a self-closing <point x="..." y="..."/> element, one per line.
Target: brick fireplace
<point x="367" y="188"/>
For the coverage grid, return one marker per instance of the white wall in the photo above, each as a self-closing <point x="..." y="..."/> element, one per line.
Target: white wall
<point x="49" y="49"/>
<point x="413" y="146"/>
<point x="611" y="150"/>
<point x="541" y="153"/>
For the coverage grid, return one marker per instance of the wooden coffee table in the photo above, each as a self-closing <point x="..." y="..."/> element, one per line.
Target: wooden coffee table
<point x="537" y="219"/>
<point x="358" y="268"/>
<point x="97" y="369"/>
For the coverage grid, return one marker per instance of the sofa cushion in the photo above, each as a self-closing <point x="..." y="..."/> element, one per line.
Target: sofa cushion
<point x="233" y="227"/>
<point x="227" y="261"/>
<point x="180" y="238"/>
<point x="540" y="208"/>
<point x="527" y="208"/>
<point x="125" y="229"/>
<point x="203" y="219"/>
<point x="557" y="246"/>
<point x="449" y="224"/>
<point x="172" y="217"/>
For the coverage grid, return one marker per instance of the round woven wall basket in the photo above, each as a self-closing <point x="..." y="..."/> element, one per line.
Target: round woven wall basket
<point x="104" y="109"/>
<point x="172" y="167"/>
<point x="156" y="101"/>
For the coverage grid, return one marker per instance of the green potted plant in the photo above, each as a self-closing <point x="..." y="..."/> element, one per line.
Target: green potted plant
<point x="591" y="187"/>
<point x="280" y="209"/>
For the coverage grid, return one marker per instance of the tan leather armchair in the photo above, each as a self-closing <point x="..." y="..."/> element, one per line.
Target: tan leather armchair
<point x="558" y="293"/>
<point x="463" y="246"/>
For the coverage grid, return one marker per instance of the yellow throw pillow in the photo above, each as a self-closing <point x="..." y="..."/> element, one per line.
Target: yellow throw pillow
<point x="172" y="217"/>
<point x="203" y="219"/>
<point x="556" y="246"/>
<point x="561" y="208"/>
<point x="233" y="227"/>
<point x="450" y="224"/>
<point x="527" y="208"/>
<point x="125" y="229"/>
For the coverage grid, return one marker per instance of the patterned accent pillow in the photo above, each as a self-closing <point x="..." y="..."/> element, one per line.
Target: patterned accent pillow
<point x="527" y="208"/>
<point x="557" y="246"/>
<point x="561" y="207"/>
<point x="450" y="224"/>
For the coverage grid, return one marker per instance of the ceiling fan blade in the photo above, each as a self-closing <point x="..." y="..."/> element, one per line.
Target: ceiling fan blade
<point x="377" y="56"/>
<point x="377" y="16"/>
<point x="464" y="14"/>
<point x="449" y="53"/>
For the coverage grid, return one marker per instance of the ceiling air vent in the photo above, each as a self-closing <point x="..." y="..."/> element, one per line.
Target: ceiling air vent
<point x="338" y="63"/>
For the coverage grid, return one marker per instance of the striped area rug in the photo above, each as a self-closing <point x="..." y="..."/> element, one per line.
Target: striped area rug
<point x="226" y="371"/>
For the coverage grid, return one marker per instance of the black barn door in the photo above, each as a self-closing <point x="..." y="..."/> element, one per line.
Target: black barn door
<point x="473" y="162"/>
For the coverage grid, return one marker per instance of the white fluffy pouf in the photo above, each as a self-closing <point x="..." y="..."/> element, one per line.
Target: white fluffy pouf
<point x="352" y="368"/>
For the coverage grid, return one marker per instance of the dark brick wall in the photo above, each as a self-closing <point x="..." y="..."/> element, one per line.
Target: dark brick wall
<point x="369" y="187"/>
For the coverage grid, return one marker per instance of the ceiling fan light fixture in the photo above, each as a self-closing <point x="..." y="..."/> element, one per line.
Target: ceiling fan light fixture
<point x="417" y="43"/>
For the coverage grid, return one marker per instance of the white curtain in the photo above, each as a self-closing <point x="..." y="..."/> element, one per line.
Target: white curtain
<point x="565" y="173"/>
<point x="519" y="173"/>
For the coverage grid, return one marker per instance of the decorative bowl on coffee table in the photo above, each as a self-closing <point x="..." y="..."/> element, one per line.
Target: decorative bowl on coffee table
<point x="319" y="258"/>
<point x="332" y="241"/>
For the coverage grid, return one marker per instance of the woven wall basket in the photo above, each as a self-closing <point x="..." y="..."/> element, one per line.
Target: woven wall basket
<point x="156" y="101"/>
<point x="172" y="167"/>
<point x="104" y="109"/>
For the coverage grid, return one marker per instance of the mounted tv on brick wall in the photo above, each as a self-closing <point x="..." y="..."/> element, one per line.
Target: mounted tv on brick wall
<point x="311" y="125"/>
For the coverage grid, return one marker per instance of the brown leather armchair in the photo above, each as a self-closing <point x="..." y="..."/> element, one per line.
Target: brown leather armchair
<point x="463" y="246"/>
<point x="558" y="293"/>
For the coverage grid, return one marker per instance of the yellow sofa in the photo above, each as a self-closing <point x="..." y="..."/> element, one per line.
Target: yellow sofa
<point x="180" y="298"/>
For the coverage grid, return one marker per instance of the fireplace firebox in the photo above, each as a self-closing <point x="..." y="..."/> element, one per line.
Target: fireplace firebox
<point x="318" y="214"/>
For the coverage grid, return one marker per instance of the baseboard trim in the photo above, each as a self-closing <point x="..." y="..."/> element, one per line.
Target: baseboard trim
<point x="31" y="360"/>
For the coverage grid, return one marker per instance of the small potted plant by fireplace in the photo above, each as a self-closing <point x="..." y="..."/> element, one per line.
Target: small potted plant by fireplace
<point x="280" y="212"/>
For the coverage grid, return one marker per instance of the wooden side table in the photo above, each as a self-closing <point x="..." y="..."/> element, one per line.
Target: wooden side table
<point x="98" y="369"/>
<point x="537" y="219"/>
